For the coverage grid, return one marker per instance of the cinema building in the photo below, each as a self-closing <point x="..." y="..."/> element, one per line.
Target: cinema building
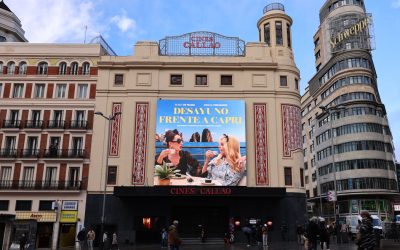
<point x="199" y="81"/>
<point x="347" y="141"/>
<point x="47" y="96"/>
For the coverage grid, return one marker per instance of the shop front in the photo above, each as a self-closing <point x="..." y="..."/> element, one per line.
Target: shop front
<point x="37" y="226"/>
<point x="68" y="223"/>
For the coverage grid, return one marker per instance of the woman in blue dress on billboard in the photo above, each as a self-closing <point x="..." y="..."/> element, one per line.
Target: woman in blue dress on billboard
<point x="177" y="157"/>
<point x="228" y="167"/>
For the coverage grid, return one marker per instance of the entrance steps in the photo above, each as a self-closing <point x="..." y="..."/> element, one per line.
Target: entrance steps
<point x="197" y="241"/>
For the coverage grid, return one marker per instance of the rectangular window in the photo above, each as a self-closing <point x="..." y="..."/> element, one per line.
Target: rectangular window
<point x="267" y="35"/>
<point x="118" y="79"/>
<point x="201" y="80"/>
<point x="45" y="205"/>
<point x="82" y="91"/>
<point x="1" y="90"/>
<point x="176" y="80"/>
<point x="4" y="205"/>
<point x="289" y="42"/>
<point x="288" y="176"/>
<point x="50" y="179"/>
<point x="301" y="177"/>
<point x="5" y="177"/>
<point x="278" y="28"/>
<point x="18" y="90"/>
<point x="226" y="80"/>
<point x="22" y="205"/>
<point x="283" y="81"/>
<point x="112" y="175"/>
<point x="61" y="91"/>
<point x="28" y="177"/>
<point x="316" y="42"/>
<point x="39" y="91"/>
<point x="296" y="84"/>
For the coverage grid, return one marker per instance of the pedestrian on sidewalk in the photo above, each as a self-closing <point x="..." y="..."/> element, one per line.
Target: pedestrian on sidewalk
<point x="91" y="235"/>
<point x="174" y="240"/>
<point x="164" y="238"/>
<point x="264" y="231"/>
<point x="324" y="235"/>
<point x="366" y="236"/>
<point x="300" y="233"/>
<point x="114" y="243"/>
<point x="312" y="232"/>
<point x="81" y="238"/>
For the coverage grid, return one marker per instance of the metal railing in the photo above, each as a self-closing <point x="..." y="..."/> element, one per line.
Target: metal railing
<point x="34" y="124"/>
<point x="78" y="124"/>
<point x="11" y="123"/>
<point x="40" y="185"/>
<point x="38" y="153"/>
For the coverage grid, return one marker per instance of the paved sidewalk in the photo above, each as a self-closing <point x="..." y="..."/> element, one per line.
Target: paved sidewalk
<point x="385" y="245"/>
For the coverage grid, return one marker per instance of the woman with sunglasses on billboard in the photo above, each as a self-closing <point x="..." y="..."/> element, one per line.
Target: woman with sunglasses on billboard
<point x="228" y="167"/>
<point x="177" y="157"/>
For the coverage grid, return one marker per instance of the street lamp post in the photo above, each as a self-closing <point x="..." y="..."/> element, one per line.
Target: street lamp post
<point x="106" y="135"/>
<point x="328" y="110"/>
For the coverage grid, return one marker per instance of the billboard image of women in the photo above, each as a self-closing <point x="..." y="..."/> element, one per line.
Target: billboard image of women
<point x="203" y="140"/>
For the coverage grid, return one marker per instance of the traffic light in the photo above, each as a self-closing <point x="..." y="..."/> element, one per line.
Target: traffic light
<point x="331" y="195"/>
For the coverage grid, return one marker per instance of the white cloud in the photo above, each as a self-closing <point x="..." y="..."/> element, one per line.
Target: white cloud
<point x="124" y="23"/>
<point x="51" y="21"/>
<point x="396" y="4"/>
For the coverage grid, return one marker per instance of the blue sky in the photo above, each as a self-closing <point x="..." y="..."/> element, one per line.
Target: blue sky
<point x="124" y="22"/>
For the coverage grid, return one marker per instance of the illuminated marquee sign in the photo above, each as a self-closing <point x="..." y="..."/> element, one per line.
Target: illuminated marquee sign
<point x="202" y="43"/>
<point x="396" y="207"/>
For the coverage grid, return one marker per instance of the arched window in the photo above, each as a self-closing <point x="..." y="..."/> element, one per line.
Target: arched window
<point x="62" y="69"/>
<point x="1" y="67"/>
<point x="42" y="68"/>
<point x="11" y="68"/>
<point x="74" y="68"/>
<point x="85" y="68"/>
<point x="22" y="68"/>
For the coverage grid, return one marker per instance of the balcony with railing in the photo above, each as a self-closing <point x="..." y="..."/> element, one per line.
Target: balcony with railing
<point x="78" y="124"/>
<point x="34" y="124"/>
<point x="64" y="153"/>
<point x="56" y="124"/>
<point x="11" y="124"/>
<point x="47" y="153"/>
<point x="39" y="185"/>
<point x="8" y="153"/>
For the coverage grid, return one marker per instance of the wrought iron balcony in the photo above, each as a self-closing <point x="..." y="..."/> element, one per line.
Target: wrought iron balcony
<point x="78" y="124"/>
<point x="8" y="153"/>
<point x="64" y="153"/>
<point x="40" y="185"/>
<point x="34" y="124"/>
<point x="11" y="123"/>
<point x="56" y="124"/>
<point x="29" y="153"/>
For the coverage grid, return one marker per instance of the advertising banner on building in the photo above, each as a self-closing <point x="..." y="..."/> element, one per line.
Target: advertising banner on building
<point x="200" y="142"/>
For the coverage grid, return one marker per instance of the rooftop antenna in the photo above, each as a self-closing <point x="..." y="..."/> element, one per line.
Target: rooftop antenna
<point x="84" y="41"/>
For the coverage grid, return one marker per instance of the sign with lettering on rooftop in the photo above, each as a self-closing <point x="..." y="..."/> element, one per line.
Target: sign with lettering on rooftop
<point x="202" y="43"/>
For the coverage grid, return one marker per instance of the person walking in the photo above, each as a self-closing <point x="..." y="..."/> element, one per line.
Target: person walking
<point x="174" y="240"/>
<point x="90" y="238"/>
<point x="22" y="242"/>
<point x="114" y="243"/>
<point x="264" y="231"/>
<point x="105" y="241"/>
<point x="81" y="238"/>
<point x="300" y="232"/>
<point x="247" y="232"/>
<point x="164" y="238"/>
<point x="312" y="232"/>
<point x="366" y="236"/>
<point x="324" y="235"/>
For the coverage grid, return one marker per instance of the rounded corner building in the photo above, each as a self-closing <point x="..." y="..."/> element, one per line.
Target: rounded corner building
<point x="347" y="143"/>
<point x="194" y="102"/>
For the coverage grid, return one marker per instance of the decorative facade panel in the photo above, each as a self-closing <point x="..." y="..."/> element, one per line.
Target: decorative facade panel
<point x="115" y="130"/>
<point x="261" y="152"/>
<point x="140" y="144"/>
<point x="291" y="122"/>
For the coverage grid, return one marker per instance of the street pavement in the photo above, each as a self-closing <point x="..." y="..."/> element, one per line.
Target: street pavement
<point x="385" y="245"/>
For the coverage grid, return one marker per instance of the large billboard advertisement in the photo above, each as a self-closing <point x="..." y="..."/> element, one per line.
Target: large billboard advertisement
<point x="200" y="142"/>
